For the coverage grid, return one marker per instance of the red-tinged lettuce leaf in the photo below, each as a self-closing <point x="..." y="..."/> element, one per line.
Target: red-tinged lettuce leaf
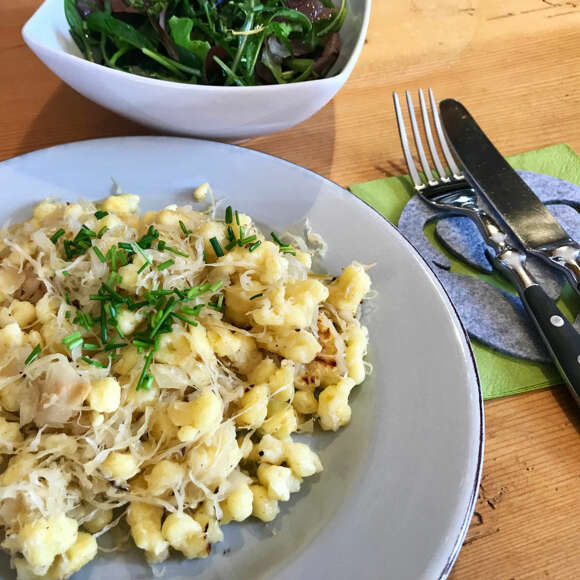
<point x="329" y="54"/>
<point x="314" y="10"/>
<point x="212" y="72"/>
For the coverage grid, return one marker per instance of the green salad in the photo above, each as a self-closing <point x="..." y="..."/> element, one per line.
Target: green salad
<point x="215" y="42"/>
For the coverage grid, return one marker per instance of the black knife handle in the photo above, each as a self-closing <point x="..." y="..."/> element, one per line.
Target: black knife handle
<point x="561" y="338"/>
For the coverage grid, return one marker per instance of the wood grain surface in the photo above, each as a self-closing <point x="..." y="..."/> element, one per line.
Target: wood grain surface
<point x="516" y="65"/>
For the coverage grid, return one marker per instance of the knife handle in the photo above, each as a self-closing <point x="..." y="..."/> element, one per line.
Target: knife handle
<point x="560" y="337"/>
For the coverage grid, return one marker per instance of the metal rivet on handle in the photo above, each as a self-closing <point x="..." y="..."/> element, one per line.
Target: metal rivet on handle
<point x="557" y="321"/>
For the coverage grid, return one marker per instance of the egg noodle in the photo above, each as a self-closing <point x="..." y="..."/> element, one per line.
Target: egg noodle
<point x="154" y="367"/>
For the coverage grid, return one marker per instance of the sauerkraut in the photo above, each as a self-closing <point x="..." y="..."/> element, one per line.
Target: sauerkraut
<point x="155" y="367"/>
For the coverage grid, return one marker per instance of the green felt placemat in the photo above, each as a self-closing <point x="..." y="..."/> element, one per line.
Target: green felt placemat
<point x="500" y="374"/>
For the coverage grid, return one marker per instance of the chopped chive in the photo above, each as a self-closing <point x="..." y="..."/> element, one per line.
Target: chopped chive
<point x="204" y="257"/>
<point x="248" y="240"/>
<point x="144" y="372"/>
<point x="100" y="214"/>
<point x="229" y="215"/>
<point x="230" y="234"/>
<point x="142" y="268"/>
<point x="177" y="252"/>
<point x="113" y="292"/>
<point x="87" y="231"/>
<point x="67" y="249"/>
<point x="277" y="239"/>
<point x="102" y="232"/>
<point x="112" y="310"/>
<point x="147" y="383"/>
<point x="161" y="245"/>
<point x="114" y="346"/>
<point x="143" y="254"/>
<point x="103" y="323"/>
<point x="242" y="234"/>
<point x="122" y="258"/>
<point x="91" y="346"/>
<point x="113" y="259"/>
<point x="66" y="298"/>
<point x="67" y="314"/>
<point x="54" y="238"/>
<point x="164" y="314"/>
<point x="231" y="245"/>
<point x="254" y="246"/>
<point x="237" y="217"/>
<point x="220" y="300"/>
<point x="65" y="273"/>
<point x="216" y="247"/>
<point x="257" y="296"/>
<point x="33" y="355"/>
<point x="141" y="343"/>
<point x="216" y="286"/>
<point x="99" y="297"/>
<point x="180" y="293"/>
<point x="99" y="254"/>
<point x="165" y="265"/>
<point x="185" y="319"/>
<point x="95" y="363"/>
<point x="184" y="229"/>
<point x="126" y="246"/>
<point x="289" y="250"/>
<point x="75" y="344"/>
<point x="72" y="337"/>
<point x="189" y="310"/>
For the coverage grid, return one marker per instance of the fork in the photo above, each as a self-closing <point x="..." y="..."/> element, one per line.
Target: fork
<point x="447" y="189"/>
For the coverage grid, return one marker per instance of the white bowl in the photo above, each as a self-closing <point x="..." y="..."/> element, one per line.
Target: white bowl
<point x="206" y="111"/>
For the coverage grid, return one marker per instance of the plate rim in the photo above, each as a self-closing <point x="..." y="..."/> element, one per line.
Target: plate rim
<point x="470" y="357"/>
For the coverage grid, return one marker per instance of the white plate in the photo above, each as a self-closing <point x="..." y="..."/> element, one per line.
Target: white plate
<point x="400" y="481"/>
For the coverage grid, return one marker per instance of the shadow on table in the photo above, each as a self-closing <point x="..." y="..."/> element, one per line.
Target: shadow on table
<point x="568" y="406"/>
<point x="309" y="144"/>
<point x="68" y="116"/>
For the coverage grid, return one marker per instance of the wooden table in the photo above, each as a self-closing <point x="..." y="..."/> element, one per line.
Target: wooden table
<point x="517" y="65"/>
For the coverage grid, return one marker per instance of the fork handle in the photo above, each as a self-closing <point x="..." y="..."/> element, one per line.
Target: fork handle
<point x="560" y="337"/>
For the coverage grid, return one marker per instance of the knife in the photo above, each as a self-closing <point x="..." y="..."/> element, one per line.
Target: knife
<point x="531" y="223"/>
<point x="523" y="213"/>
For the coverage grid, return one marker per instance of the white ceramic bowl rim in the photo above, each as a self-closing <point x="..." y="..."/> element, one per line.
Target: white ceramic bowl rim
<point x="346" y="70"/>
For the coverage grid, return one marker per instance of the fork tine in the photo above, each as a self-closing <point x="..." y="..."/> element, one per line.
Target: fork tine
<point x="405" y="145"/>
<point x="442" y="139"/>
<point x="428" y="133"/>
<point x="419" y="142"/>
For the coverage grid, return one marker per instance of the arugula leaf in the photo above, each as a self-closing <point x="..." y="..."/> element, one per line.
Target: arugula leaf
<point x="180" y="29"/>
<point x="118" y="30"/>
<point x="73" y="17"/>
<point x="294" y="16"/>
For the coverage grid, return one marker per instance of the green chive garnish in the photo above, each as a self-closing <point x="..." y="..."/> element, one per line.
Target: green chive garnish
<point x="231" y="245"/>
<point x="165" y="265"/>
<point x="95" y="363"/>
<point x="114" y="346"/>
<point x="33" y="355"/>
<point x="99" y="254"/>
<point x="100" y="214"/>
<point x="54" y="238"/>
<point x="237" y="217"/>
<point x="216" y="286"/>
<point x="91" y="346"/>
<point x="181" y="317"/>
<point x="257" y="296"/>
<point x="65" y="273"/>
<point x="277" y="239"/>
<point x="177" y="252"/>
<point x="102" y="232"/>
<point x="229" y="215"/>
<point x="126" y="246"/>
<point x="248" y="240"/>
<point x="184" y="229"/>
<point x="216" y="247"/>
<point x="254" y="246"/>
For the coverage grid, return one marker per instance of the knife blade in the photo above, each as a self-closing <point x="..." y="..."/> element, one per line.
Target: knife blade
<point x="534" y="227"/>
